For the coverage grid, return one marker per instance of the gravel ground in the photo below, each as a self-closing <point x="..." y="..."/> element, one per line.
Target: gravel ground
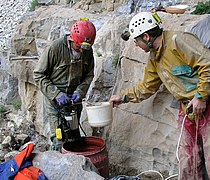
<point x="11" y="13"/>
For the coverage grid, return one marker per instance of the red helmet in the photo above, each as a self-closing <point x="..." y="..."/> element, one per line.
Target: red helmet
<point x="83" y="33"/>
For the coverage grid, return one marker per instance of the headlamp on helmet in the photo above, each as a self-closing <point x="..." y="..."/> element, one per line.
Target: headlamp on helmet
<point x="83" y="33"/>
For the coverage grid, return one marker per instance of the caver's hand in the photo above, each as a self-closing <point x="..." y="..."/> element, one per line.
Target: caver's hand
<point x="115" y="100"/>
<point x="199" y="106"/>
<point x="76" y="97"/>
<point x="62" y="99"/>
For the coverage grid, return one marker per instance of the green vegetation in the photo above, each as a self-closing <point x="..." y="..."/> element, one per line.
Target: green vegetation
<point x="3" y="109"/>
<point x="202" y="8"/>
<point x="34" y="3"/>
<point x="16" y="104"/>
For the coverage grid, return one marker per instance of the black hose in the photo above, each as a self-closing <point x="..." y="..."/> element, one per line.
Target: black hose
<point x="82" y="129"/>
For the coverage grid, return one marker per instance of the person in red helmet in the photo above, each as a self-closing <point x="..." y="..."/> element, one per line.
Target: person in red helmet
<point x="83" y="34"/>
<point x="64" y="73"/>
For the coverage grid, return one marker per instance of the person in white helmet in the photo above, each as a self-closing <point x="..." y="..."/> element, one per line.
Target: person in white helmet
<point x="180" y="62"/>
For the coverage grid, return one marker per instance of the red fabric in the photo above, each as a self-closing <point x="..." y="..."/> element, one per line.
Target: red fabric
<point x="24" y="154"/>
<point x="194" y="148"/>
<point x="29" y="173"/>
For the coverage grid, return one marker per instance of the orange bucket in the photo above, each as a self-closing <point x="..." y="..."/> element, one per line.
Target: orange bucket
<point x="92" y="147"/>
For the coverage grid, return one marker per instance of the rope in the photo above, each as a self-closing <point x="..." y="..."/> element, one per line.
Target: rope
<point x="151" y="171"/>
<point x="178" y="144"/>
<point x="157" y="172"/>
<point x="194" y="149"/>
<point x="177" y="156"/>
<point x="180" y="136"/>
<point x="172" y="176"/>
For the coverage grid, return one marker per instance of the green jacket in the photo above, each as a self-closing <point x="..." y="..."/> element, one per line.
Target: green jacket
<point x="55" y="72"/>
<point x="181" y="63"/>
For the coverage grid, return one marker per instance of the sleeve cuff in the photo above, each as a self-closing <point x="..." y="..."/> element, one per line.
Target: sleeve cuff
<point x="125" y="99"/>
<point x="198" y="95"/>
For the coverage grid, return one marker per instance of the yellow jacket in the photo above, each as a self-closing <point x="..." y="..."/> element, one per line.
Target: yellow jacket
<point x="181" y="63"/>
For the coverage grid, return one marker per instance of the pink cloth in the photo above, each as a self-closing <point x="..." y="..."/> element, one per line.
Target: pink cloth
<point x="194" y="157"/>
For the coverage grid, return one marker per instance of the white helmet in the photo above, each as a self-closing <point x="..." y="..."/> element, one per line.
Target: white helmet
<point x="143" y="22"/>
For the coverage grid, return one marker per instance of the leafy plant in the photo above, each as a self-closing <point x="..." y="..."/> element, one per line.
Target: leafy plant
<point x="16" y="104"/>
<point x="202" y="8"/>
<point x="34" y="3"/>
<point x="3" y="109"/>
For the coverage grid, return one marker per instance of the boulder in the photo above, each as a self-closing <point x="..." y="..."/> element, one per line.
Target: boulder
<point x="58" y="166"/>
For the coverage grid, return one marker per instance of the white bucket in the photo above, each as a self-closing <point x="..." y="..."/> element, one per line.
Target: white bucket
<point x="99" y="114"/>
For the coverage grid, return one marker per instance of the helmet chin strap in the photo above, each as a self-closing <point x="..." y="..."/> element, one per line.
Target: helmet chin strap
<point x="150" y="43"/>
<point x="152" y="50"/>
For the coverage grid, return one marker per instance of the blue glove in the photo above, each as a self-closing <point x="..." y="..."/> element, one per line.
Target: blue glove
<point x="76" y="97"/>
<point x="62" y="99"/>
